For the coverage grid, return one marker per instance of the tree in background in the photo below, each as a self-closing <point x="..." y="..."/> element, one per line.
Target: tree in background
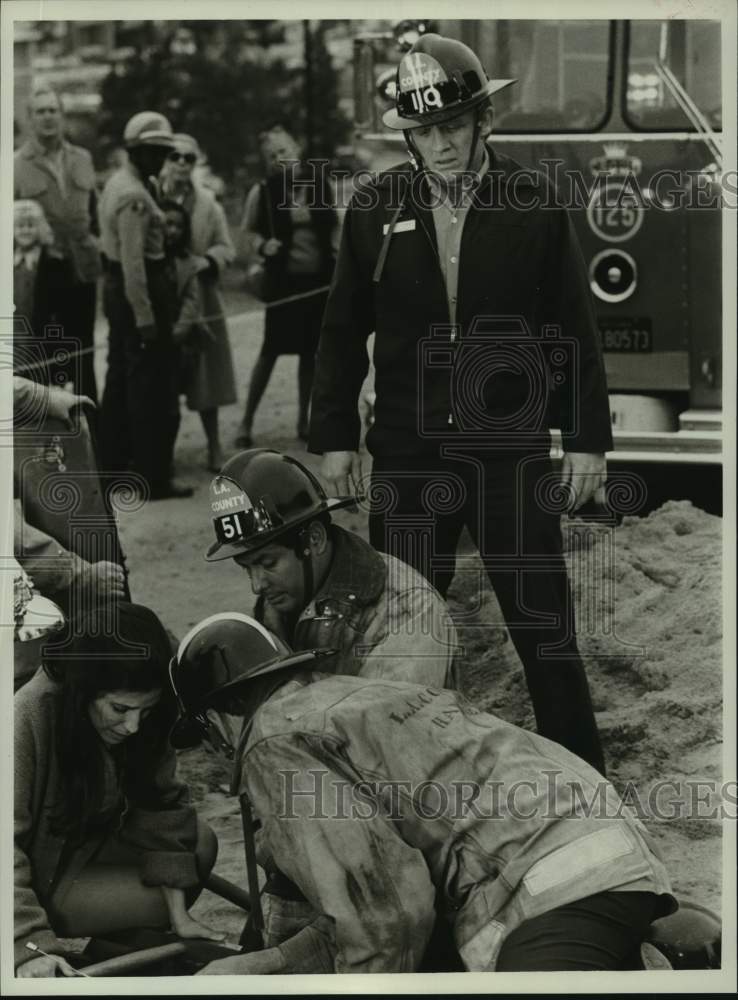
<point x="329" y="124"/>
<point x="219" y="82"/>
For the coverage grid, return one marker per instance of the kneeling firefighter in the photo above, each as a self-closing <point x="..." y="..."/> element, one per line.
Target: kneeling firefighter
<point x="375" y="796"/>
<point x="321" y="586"/>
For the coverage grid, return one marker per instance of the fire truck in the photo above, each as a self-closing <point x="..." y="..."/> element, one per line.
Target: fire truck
<point x="626" y="118"/>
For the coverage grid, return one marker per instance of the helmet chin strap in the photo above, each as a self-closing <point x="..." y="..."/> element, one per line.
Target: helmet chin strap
<point x="415" y="157"/>
<point x="474" y="143"/>
<point x="306" y="557"/>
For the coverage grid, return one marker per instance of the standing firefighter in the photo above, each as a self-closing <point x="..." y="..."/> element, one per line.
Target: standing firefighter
<point x="386" y="802"/>
<point x="470" y="275"/>
<point x="140" y="409"/>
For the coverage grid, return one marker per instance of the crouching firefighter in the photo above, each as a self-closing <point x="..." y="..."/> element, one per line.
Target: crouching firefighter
<point x="320" y="586"/>
<point x="388" y="802"/>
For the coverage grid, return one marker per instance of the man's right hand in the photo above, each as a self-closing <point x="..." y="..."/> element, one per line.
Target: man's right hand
<point x="342" y="471"/>
<point x="45" y="967"/>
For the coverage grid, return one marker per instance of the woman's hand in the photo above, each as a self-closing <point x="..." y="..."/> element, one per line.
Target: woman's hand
<point x="45" y="967"/>
<point x="183" y="924"/>
<point x="254" y="963"/>
<point x="188" y="927"/>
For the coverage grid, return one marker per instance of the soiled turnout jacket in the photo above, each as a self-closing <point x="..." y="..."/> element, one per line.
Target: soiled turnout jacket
<point x="379" y="798"/>
<point x="384" y="619"/>
<point x="520" y="269"/>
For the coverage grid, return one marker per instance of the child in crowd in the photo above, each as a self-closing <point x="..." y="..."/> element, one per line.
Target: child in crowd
<point x="37" y="277"/>
<point x="191" y="334"/>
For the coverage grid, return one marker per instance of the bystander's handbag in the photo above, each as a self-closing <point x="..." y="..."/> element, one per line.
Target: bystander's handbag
<point x="256" y="272"/>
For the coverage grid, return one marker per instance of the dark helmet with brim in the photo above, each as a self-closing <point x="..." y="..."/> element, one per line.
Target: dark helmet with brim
<point x="438" y="80"/>
<point x="258" y="497"/>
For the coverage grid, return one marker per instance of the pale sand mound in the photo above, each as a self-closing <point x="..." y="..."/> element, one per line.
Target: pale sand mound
<point x="648" y="602"/>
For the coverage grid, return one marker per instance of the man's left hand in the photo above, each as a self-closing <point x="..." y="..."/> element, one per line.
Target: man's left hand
<point x="585" y="473"/>
<point x="253" y="963"/>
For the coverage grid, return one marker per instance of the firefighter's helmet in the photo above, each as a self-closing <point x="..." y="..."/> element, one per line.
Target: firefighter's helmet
<point x="438" y="79"/>
<point x="218" y="655"/>
<point x="260" y="495"/>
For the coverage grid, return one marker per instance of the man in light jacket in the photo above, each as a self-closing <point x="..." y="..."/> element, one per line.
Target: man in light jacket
<point x="320" y="586"/>
<point x="61" y="178"/>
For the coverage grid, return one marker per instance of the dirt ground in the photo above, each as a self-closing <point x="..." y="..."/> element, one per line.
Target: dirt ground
<point x="648" y="609"/>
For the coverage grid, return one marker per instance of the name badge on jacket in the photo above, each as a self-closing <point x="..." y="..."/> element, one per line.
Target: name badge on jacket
<point x="400" y="227"/>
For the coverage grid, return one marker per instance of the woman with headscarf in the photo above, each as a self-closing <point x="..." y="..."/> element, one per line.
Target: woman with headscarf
<point x="212" y="383"/>
<point x="290" y="223"/>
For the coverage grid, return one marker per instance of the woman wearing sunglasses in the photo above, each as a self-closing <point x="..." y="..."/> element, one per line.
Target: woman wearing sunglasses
<point x="212" y="384"/>
<point x="105" y="838"/>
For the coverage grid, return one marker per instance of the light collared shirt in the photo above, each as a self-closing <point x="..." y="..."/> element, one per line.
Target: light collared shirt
<point x="449" y="220"/>
<point x="28" y="257"/>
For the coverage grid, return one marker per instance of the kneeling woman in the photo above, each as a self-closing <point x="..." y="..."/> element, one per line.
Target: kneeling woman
<point x="105" y="837"/>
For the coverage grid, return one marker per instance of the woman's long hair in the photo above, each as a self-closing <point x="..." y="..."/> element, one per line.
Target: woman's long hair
<point x="91" y="664"/>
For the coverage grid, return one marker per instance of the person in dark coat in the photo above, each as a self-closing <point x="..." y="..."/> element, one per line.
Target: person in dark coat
<point x="469" y="273"/>
<point x="289" y="224"/>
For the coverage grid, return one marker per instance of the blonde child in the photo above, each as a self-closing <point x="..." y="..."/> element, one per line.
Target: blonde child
<point x="38" y="275"/>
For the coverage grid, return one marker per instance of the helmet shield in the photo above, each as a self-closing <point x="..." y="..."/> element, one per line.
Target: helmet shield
<point x="237" y="519"/>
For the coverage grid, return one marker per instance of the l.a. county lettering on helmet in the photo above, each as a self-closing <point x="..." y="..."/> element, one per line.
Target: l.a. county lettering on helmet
<point x="258" y="496"/>
<point x="438" y="79"/>
<point x="148" y="128"/>
<point x="218" y="655"/>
